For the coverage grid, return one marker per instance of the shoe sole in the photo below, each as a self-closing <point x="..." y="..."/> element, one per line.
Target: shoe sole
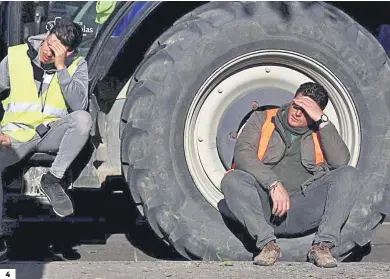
<point x="57" y="213"/>
<point x="261" y="263"/>
<point x="331" y="265"/>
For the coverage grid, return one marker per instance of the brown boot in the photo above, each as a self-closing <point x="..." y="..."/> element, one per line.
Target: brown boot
<point x="268" y="255"/>
<point x="320" y="255"/>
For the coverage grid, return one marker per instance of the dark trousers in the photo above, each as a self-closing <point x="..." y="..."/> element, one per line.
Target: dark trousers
<point x="325" y="206"/>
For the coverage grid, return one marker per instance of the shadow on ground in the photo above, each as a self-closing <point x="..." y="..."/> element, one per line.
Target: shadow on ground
<point x="103" y="215"/>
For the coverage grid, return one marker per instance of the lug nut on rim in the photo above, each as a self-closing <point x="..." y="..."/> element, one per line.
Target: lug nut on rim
<point x="233" y="135"/>
<point x="254" y="105"/>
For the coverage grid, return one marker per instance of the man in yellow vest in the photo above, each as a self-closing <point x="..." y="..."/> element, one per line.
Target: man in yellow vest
<point x="290" y="176"/>
<point x="46" y="107"/>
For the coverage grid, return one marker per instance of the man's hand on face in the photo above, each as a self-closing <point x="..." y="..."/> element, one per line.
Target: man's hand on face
<point x="312" y="109"/>
<point x="60" y="54"/>
<point x="5" y="140"/>
<point x="280" y="199"/>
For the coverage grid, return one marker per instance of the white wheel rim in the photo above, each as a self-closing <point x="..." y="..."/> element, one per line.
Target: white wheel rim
<point x="278" y="69"/>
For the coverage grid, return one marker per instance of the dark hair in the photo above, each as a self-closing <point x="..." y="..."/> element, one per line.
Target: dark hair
<point x="69" y="33"/>
<point x="315" y="91"/>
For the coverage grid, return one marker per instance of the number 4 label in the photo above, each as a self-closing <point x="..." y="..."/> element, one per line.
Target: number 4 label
<point x="7" y="274"/>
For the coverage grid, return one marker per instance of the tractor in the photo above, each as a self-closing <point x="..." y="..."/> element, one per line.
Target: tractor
<point x="171" y="83"/>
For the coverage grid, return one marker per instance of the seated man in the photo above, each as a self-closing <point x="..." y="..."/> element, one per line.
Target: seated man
<point x="291" y="176"/>
<point x="46" y="108"/>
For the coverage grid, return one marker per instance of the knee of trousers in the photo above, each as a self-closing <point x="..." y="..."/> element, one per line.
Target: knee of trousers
<point x="82" y="121"/>
<point x="349" y="172"/>
<point x="349" y="177"/>
<point x="234" y="180"/>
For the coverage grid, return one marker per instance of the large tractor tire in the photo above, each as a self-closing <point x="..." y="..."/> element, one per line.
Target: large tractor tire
<point x="200" y="80"/>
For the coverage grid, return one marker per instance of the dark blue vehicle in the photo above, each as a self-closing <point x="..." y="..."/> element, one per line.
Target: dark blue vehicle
<point x="172" y="82"/>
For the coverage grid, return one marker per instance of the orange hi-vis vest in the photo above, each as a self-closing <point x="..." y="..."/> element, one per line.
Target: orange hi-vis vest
<point x="267" y="131"/>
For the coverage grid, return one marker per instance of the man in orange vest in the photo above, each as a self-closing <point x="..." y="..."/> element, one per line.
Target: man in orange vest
<point x="46" y="110"/>
<point x="290" y="176"/>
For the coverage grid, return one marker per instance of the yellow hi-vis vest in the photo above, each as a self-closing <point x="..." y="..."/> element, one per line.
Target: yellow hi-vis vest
<point x="23" y="107"/>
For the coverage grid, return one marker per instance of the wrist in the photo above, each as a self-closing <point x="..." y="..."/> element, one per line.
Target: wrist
<point x="323" y="119"/>
<point x="317" y="117"/>
<point x="60" y="66"/>
<point x="323" y="124"/>
<point x="273" y="185"/>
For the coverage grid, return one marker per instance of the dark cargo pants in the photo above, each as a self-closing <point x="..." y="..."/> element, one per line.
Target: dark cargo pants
<point x="325" y="205"/>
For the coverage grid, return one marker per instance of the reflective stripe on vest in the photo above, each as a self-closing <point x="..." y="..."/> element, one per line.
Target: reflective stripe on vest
<point x="14" y="127"/>
<point x="31" y="107"/>
<point x="267" y="131"/>
<point x="17" y="130"/>
<point x="24" y="106"/>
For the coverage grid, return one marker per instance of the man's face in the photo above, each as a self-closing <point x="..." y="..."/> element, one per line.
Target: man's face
<point x="297" y="117"/>
<point x="46" y="52"/>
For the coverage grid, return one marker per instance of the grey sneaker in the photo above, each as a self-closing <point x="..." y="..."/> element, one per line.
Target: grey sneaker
<point x="321" y="256"/>
<point x="268" y="255"/>
<point x="52" y="189"/>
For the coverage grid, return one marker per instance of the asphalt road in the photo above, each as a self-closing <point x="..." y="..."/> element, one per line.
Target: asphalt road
<point x="122" y="248"/>
<point x="143" y="246"/>
<point x="119" y="238"/>
<point x="212" y="270"/>
<point x="87" y="243"/>
<point x="63" y="253"/>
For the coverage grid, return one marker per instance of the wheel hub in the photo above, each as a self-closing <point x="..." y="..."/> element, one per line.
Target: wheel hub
<point x="235" y="115"/>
